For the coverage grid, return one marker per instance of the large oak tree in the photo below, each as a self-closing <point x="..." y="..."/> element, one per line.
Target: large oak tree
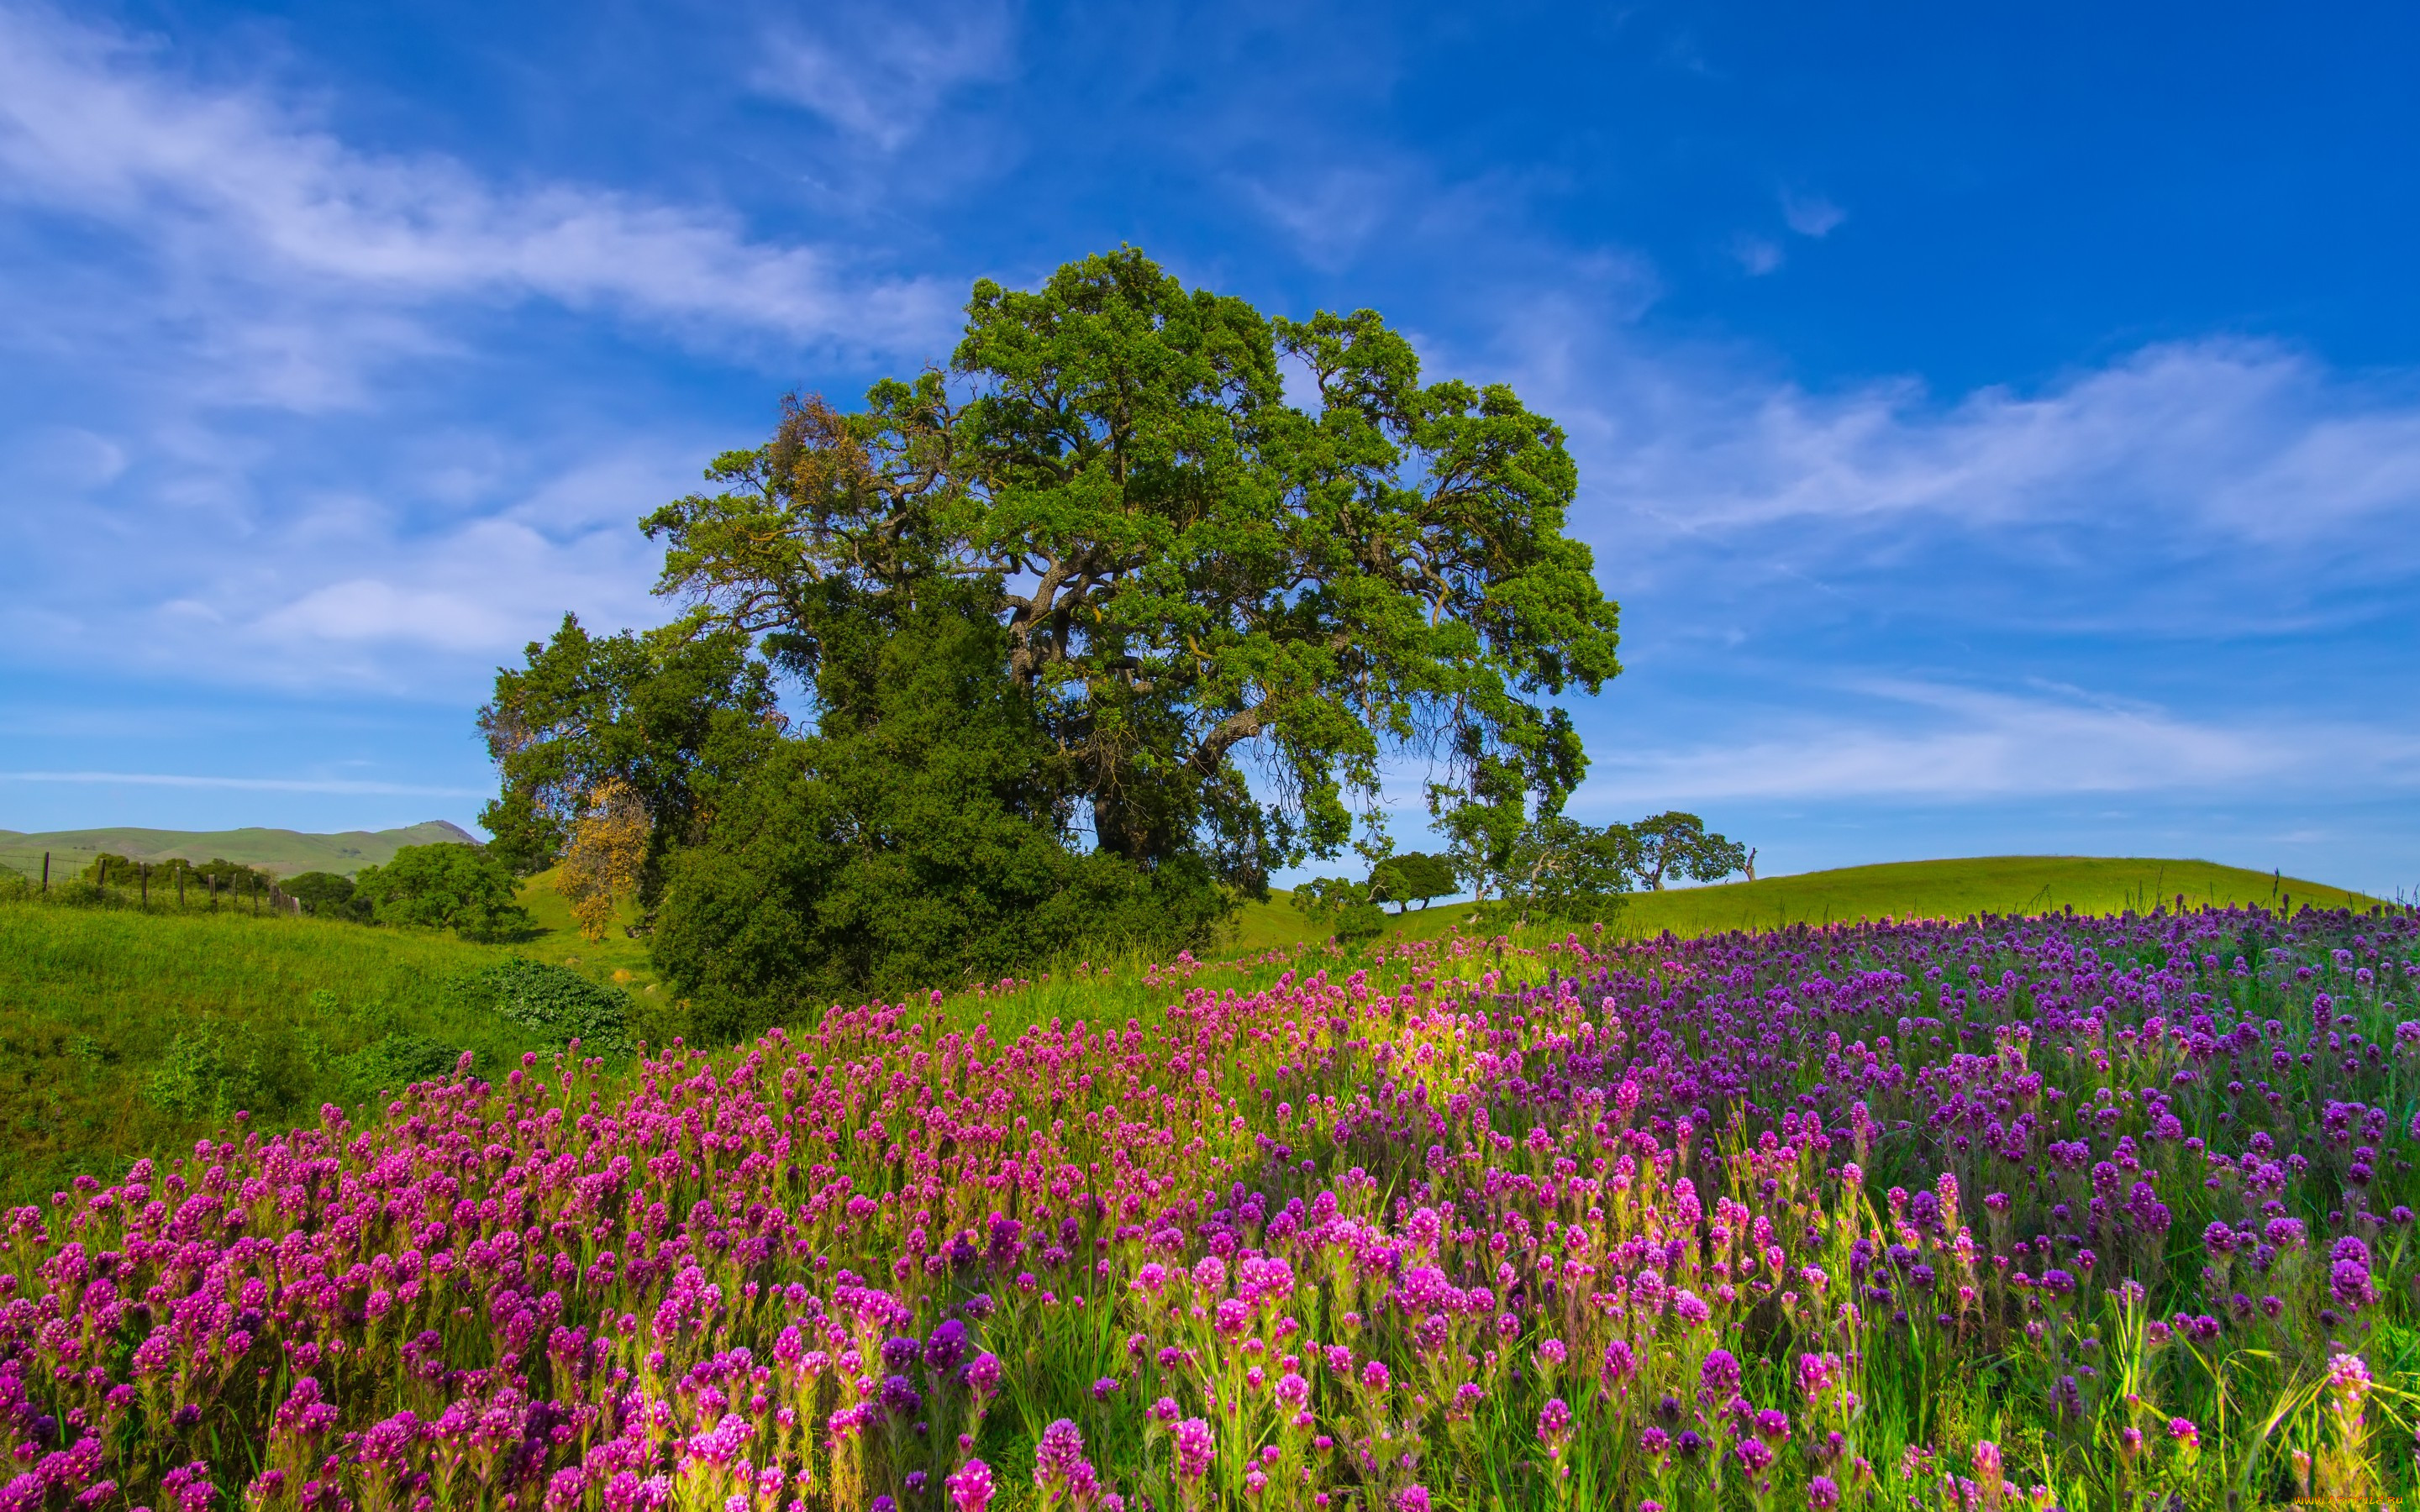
<point x="1228" y="605"/>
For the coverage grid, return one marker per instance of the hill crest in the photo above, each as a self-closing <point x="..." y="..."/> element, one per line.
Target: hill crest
<point x="282" y="851"/>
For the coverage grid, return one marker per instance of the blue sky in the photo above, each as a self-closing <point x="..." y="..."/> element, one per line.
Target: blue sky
<point x="2002" y="431"/>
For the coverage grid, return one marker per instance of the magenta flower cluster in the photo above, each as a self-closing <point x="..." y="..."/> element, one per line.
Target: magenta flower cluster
<point x="1646" y="1224"/>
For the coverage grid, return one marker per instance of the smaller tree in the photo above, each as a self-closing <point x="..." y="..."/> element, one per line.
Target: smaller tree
<point x="1345" y="904"/>
<point x="1679" y="844"/>
<point x="459" y="887"/>
<point x="329" y="895"/>
<point x="1409" y="878"/>
<point x="608" y="852"/>
<point x="1561" y="870"/>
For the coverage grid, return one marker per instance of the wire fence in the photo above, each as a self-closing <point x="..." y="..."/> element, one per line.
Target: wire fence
<point x="158" y="887"/>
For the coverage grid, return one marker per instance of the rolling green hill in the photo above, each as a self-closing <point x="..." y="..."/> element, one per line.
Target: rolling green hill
<point x="280" y="851"/>
<point x="1899" y="889"/>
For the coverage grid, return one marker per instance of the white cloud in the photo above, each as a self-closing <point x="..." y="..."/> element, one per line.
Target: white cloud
<point x="229" y="187"/>
<point x="882" y="79"/>
<point x="1757" y="256"/>
<point x="1812" y="215"/>
<point x="1939" y="743"/>
<point x="365" y="608"/>
<point x="2261" y="441"/>
<point x="1330" y="214"/>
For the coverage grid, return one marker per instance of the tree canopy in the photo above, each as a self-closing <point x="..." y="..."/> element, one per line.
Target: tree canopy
<point x="1202" y="616"/>
<point x="1557" y="868"/>
<point x="1190" y="570"/>
<point x="460" y="887"/>
<point x="1411" y="877"/>
<point x="1679" y="844"/>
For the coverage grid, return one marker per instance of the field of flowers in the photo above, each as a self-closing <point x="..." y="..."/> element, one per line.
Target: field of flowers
<point x="2010" y="1213"/>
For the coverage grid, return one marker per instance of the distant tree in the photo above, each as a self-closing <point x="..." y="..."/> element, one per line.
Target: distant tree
<point x="1559" y="868"/>
<point x="328" y="895"/>
<point x="1679" y="844"/>
<point x="459" y="887"/>
<point x="109" y="868"/>
<point x="1343" y="904"/>
<point x="1409" y="878"/>
<point x="229" y="876"/>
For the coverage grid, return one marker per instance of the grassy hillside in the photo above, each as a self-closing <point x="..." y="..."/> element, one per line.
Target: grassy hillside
<point x="99" y="1001"/>
<point x="94" y="1001"/>
<point x="617" y="955"/>
<point x="1923" y="889"/>
<point x="282" y="851"/>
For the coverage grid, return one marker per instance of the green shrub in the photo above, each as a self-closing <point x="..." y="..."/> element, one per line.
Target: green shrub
<point x="394" y="1063"/>
<point x="459" y="887"/>
<point x="924" y="844"/>
<point x="550" y="1002"/>
<point x="329" y="895"/>
<point x="1361" y="923"/>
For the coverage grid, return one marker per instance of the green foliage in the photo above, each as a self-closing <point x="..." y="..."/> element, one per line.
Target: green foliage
<point x="920" y="841"/>
<point x="395" y="1061"/>
<point x="1186" y="569"/>
<point x="329" y="896"/>
<point x="1321" y="898"/>
<point x="1561" y="871"/>
<point x="212" y="1071"/>
<point x="1344" y="906"/>
<point x="675" y="714"/>
<point x="1679" y="844"/>
<point x="553" y="1003"/>
<point x="108" y="868"/>
<point x="1361" y="923"/>
<point x="1411" y="877"/>
<point x="232" y="880"/>
<point x="1553" y="867"/>
<point x="271" y="1014"/>
<point x="459" y="887"/>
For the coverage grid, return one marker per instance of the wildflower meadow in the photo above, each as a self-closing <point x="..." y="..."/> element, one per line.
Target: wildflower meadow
<point x="2012" y="1213"/>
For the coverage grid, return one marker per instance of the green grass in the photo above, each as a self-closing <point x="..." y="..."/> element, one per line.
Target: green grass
<point x="1900" y="889"/>
<point x="96" y="996"/>
<point x="96" y="993"/>
<point x="617" y="955"/>
<point x="280" y="851"/>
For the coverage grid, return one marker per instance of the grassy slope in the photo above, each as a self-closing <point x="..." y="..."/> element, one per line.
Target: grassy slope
<point x="1930" y="889"/>
<point x="91" y="997"/>
<point x="284" y="852"/>
<point x="617" y="955"/>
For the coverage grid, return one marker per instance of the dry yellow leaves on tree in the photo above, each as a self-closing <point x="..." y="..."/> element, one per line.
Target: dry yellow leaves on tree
<point x="600" y="866"/>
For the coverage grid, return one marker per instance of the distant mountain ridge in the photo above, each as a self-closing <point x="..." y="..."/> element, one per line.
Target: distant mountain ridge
<point x="282" y="851"/>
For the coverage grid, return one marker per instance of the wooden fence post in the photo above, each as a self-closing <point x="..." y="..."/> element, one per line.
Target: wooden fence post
<point x="146" y="884"/>
<point x="46" y="871"/>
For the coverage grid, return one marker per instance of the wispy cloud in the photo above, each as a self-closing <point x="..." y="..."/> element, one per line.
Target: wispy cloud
<point x="1757" y="255"/>
<point x="880" y="77"/>
<point x="2261" y="441"/>
<point x="1330" y="214"/>
<point x="1812" y="215"/>
<point x="245" y="784"/>
<point x="235" y="189"/>
<point x="1941" y="743"/>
